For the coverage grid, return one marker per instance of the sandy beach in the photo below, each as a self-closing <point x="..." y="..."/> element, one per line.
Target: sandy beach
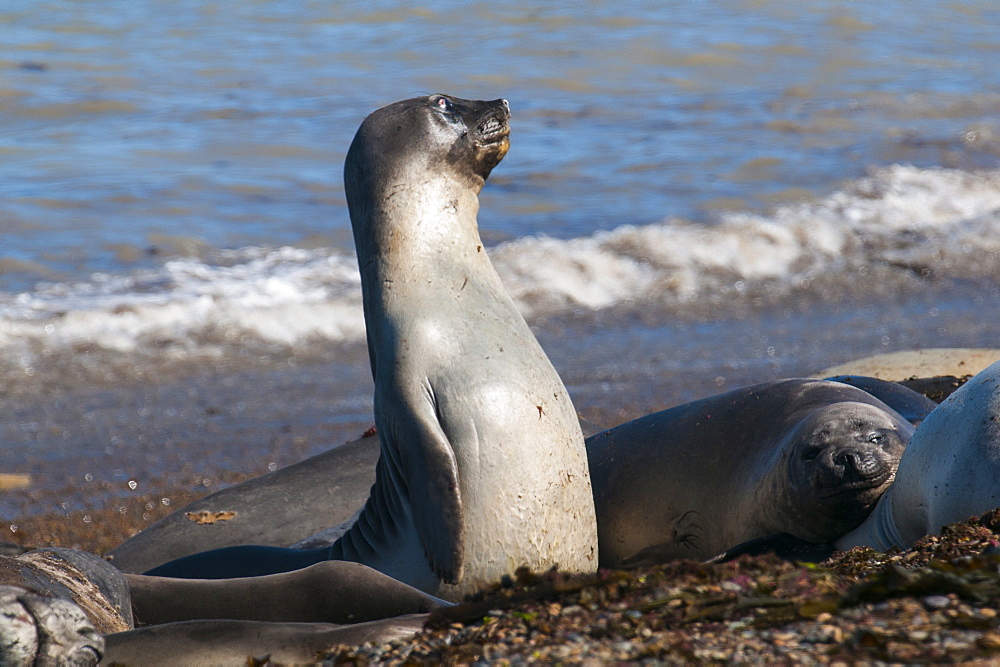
<point x="855" y="606"/>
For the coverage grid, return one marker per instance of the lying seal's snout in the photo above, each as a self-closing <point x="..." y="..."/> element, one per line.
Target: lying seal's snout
<point x="857" y="465"/>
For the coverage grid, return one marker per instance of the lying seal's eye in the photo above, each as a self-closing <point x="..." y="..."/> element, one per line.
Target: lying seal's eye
<point x="445" y="104"/>
<point x="876" y="437"/>
<point x="811" y="454"/>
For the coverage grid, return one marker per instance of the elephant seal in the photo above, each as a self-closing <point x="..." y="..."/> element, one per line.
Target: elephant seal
<point x="276" y="509"/>
<point x="804" y="457"/>
<point x="62" y="606"/>
<point x="42" y="630"/>
<point x="236" y="642"/>
<point x="78" y="576"/>
<point x="292" y="506"/>
<point x="327" y="592"/>
<point x="912" y="406"/>
<point x="56" y="603"/>
<point x="950" y="471"/>
<point x="482" y="467"/>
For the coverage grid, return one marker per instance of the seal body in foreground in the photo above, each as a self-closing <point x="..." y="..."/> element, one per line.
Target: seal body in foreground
<point x="950" y="471"/>
<point x="482" y="467"/>
<point x="805" y="457"/>
<point x="56" y="603"/>
<point x="58" y="606"/>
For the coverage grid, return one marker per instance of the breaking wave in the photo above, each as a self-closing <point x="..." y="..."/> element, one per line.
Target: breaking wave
<point x="933" y="223"/>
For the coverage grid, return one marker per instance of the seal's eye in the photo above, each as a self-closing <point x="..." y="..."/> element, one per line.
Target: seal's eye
<point x="445" y="104"/>
<point x="811" y="454"/>
<point x="876" y="438"/>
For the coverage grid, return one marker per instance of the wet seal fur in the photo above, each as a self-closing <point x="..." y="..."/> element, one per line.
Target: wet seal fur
<point x="805" y="457"/>
<point x="482" y="467"/>
<point x="950" y="471"/>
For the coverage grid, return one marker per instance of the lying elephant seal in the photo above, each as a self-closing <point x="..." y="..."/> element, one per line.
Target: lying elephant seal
<point x="78" y="576"/>
<point x="61" y="606"/>
<point x="911" y="406"/>
<point x="327" y="592"/>
<point x="276" y="509"/>
<point x="482" y="467"/>
<point x="56" y="603"/>
<point x="804" y="457"/>
<point x="950" y="471"/>
<point x="42" y="630"/>
<point x="236" y="642"/>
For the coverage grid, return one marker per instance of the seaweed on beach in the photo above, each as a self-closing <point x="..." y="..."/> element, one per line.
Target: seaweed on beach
<point x="937" y="601"/>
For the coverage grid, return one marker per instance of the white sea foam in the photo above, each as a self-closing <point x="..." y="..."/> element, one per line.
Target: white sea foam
<point x="899" y="216"/>
<point x="283" y="296"/>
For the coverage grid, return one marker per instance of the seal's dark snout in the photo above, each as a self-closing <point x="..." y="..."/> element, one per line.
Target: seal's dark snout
<point x="857" y="465"/>
<point x="492" y="125"/>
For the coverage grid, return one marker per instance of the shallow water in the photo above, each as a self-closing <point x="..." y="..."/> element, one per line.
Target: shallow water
<point x="697" y="196"/>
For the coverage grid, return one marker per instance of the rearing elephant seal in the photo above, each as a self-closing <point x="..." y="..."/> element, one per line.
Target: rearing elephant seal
<point x="805" y="457"/>
<point x="482" y="466"/>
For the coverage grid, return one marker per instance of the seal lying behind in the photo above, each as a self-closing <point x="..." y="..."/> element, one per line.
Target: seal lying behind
<point x="236" y="642"/>
<point x="358" y="461"/>
<point x="55" y="605"/>
<point x="276" y="509"/>
<point x="950" y="471"/>
<point x="911" y="405"/>
<point x="804" y="457"/>
<point x="290" y="506"/>
<point x="482" y="466"/>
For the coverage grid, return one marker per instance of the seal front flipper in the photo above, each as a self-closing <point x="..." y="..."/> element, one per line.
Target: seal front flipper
<point x="430" y="474"/>
<point x="784" y="546"/>
<point x="685" y="541"/>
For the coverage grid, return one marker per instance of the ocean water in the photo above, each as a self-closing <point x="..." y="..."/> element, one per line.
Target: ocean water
<point x="697" y="196"/>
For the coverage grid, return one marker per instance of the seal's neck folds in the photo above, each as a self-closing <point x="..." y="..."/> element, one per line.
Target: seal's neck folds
<point x="415" y="222"/>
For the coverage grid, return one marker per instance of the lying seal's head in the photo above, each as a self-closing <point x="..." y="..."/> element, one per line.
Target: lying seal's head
<point x="840" y="460"/>
<point x="425" y="138"/>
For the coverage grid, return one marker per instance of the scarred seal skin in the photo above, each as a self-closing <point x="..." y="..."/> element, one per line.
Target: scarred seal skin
<point x="809" y="458"/>
<point x="56" y="603"/>
<point x="482" y="467"/>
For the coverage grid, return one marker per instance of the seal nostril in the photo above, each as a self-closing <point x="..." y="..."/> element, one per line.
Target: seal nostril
<point x="846" y="459"/>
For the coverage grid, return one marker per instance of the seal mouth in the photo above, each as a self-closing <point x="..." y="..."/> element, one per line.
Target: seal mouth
<point x="861" y="485"/>
<point x="492" y="131"/>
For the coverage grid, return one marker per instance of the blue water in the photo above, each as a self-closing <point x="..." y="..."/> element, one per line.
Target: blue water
<point x="226" y="124"/>
<point x="736" y="191"/>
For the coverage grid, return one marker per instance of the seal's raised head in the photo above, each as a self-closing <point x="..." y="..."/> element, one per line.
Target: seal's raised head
<point x="437" y="134"/>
